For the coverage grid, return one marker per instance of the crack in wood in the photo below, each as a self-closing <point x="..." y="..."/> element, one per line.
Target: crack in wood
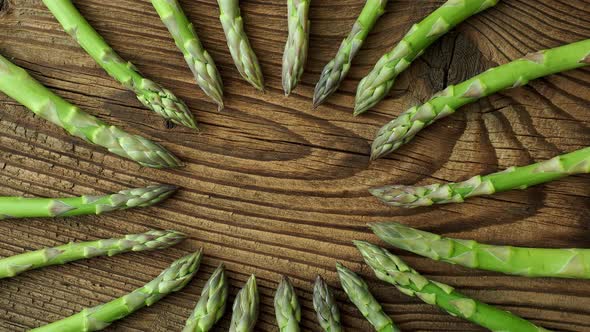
<point x="3" y="6"/>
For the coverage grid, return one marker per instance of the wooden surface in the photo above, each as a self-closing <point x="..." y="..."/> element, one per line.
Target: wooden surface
<point x="272" y="187"/>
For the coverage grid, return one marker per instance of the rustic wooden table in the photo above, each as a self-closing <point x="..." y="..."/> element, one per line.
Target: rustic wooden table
<point x="272" y="187"/>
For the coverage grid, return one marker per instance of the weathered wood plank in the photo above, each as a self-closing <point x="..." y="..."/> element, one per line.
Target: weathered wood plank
<point x="272" y="187"/>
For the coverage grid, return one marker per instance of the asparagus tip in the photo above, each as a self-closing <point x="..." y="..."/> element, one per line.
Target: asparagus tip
<point x="284" y="278"/>
<point x="374" y="155"/>
<point x="379" y="192"/>
<point x="170" y="187"/>
<point x="358" y="111"/>
<point x="317" y="100"/>
<point x="361" y="244"/>
<point x="373" y="225"/>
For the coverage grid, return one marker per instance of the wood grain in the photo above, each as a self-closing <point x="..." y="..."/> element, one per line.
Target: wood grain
<point x="272" y="187"/>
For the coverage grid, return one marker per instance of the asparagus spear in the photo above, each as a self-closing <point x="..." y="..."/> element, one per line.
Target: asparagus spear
<point x="287" y="309"/>
<point x="337" y="69"/>
<point x="149" y="93"/>
<point x="239" y="46"/>
<point x="377" y="84"/>
<point x="513" y="74"/>
<point x="528" y="262"/>
<point x="295" y="54"/>
<point x="359" y="294"/>
<point x="21" y="207"/>
<point x="19" y="85"/>
<point x="393" y="270"/>
<point x="151" y="240"/>
<point x="245" y="308"/>
<point x="97" y="318"/>
<point x="326" y="307"/>
<point x="211" y="305"/>
<point x="577" y="162"/>
<point x="197" y="58"/>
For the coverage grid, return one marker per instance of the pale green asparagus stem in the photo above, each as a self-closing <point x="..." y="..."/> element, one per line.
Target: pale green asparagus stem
<point x="197" y="58"/>
<point x="326" y="307"/>
<point x="149" y="93"/>
<point x="21" y="207"/>
<point x="211" y="305"/>
<point x="19" y="85"/>
<point x="577" y="162"/>
<point x="151" y="240"/>
<point x="170" y="280"/>
<point x="245" y="308"/>
<point x="393" y="270"/>
<point x="528" y="262"/>
<point x="513" y="74"/>
<point x="337" y="69"/>
<point x="377" y="84"/>
<point x="239" y="46"/>
<point x="359" y="294"/>
<point x="287" y="309"/>
<point x="295" y="54"/>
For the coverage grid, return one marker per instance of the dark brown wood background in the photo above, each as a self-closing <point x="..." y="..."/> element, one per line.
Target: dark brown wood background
<point x="272" y="187"/>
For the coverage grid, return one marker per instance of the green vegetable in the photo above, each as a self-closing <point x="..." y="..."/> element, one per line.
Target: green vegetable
<point x="393" y="270"/>
<point x="97" y="318"/>
<point x="295" y="54"/>
<point x="513" y="74"/>
<point x="197" y="58"/>
<point x="239" y="46"/>
<point x="326" y="307"/>
<point x="577" y="162"/>
<point x="359" y="294"/>
<point x="287" y="309"/>
<point x="378" y="83"/>
<point x="151" y="240"/>
<point x="245" y="308"/>
<point x="21" y="207"/>
<point x="337" y="69"/>
<point x="211" y="305"/>
<point x="19" y="85"/>
<point x="149" y="93"/>
<point x="528" y="262"/>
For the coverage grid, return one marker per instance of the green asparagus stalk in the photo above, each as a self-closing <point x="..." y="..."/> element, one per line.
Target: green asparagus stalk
<point x="287" y="309"/>
<point x="211" y="305"/>
<point x="577" y="162"/>
<point x="393" y="270"/>
<point x="173" y="279"/>
<point x="378" y="83"/>
<point x="326" y="307"/>
<point x="149" y="93"/>
<point x="197" y="58"/>
<point x="337" y="69"/>
<point x="21" y="207"/>
<point x="151" y="240"/>
<point x="528" y="262"/>
<point x="245" y="308"/>
<point x="359" y="294"/>
<point x="295" y="54"/>
<point x="513" y="74"/>
<point x="239" y="46"/>
<point x="19" y="85"/>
